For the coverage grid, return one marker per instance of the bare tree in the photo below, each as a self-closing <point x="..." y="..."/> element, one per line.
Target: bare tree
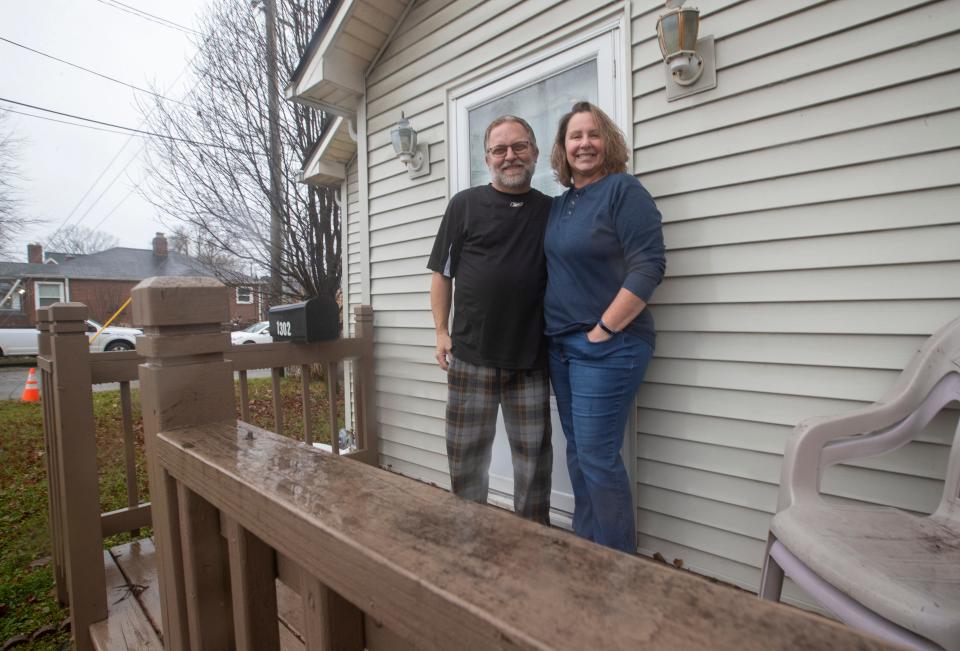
<point x="80" y="240"/>
<point x="179" y="240"/>
<point x="199" y="247"/>
<point x="103" y="301"/>
<point x="12" y="220"/>
<point x="211" y="168"/>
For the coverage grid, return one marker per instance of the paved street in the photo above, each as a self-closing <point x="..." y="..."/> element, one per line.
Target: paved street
<point x="12" y="379"/>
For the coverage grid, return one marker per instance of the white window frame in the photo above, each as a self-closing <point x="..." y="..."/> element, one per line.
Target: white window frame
<point x="36" y="291"/>
<point x="604" y="42"/>
<point x="237" y="293"/>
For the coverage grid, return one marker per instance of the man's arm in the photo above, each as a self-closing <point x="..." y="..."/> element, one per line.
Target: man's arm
<point x="441" y="292"/>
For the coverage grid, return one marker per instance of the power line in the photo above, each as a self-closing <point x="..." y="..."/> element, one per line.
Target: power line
<point x="114" y="209"/>
<point x="119" y="126"/>
<point x="92" y="72"/>
<point x="72" y="124"/>
<point x="139" y="13"/>
<point x="122" y="147"/>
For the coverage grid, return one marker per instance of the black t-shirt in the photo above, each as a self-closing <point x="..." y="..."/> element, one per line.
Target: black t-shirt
<point x="492" y="243"/>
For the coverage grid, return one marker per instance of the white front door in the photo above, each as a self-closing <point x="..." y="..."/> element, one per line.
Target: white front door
<point x="540" y="93"/>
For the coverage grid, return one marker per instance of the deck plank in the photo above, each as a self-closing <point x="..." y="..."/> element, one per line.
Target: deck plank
<point x="138" y="562"/>
<point x="290" y="610"/>
<point x="289" y="641"/>
<point x="126" y="626"/>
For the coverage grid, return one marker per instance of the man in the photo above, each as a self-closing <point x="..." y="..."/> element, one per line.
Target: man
<point x="491" y="241"/>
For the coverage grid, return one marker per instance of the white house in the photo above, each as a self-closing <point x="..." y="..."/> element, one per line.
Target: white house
<point x="811" y="205"/>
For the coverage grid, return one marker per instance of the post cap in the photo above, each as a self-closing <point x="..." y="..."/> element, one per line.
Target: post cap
<point x="67" y="312"/>
<point x="180" y="300"/>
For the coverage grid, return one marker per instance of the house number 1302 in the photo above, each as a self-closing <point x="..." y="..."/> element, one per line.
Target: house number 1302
<point x="283" y="328"/>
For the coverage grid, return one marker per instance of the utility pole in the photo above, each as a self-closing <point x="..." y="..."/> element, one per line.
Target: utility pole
<point x="273" y="117"/>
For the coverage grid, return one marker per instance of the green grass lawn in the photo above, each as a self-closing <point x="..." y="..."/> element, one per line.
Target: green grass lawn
<point x="27" y="603"/>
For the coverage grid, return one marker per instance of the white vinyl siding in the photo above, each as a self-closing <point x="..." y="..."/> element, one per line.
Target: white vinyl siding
<point x="809" y="206"/>
<point x="810" y="214"/>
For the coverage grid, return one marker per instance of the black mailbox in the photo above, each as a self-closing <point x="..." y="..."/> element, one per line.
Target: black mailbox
<point x="315" y="319"/>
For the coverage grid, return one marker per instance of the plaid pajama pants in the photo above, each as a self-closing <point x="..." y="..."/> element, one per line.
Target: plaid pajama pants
<point x="475" y="392"/>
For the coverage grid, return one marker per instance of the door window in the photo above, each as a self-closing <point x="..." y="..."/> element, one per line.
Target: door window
<point x="540" y="94"/>
<point x="541" y="104"/>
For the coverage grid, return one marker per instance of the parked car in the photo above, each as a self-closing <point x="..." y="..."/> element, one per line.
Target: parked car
<point x="23" y="341"/>
<point x="112" y="338"/>
<point x="18" y="341"/>
<point x="258" y="333"/>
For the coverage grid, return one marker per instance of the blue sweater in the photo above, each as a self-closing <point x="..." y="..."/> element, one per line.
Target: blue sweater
<point x="602" y="237"/>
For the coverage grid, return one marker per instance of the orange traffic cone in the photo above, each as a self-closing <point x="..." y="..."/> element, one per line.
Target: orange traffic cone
<point x="31" y="391"/>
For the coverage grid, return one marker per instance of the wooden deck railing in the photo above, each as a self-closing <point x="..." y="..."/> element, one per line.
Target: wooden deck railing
<point x="382" y="561"/>
<point x="69" y="370"/>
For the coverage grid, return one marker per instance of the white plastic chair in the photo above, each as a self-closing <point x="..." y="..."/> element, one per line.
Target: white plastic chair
<point x="886" y="571"/>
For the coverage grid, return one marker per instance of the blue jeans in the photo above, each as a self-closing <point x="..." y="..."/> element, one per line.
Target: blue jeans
<point x="595" y="385"/>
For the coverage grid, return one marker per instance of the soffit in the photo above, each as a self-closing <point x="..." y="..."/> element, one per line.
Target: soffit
<point x="327" y="163"/>
<point x="330" y="77"/>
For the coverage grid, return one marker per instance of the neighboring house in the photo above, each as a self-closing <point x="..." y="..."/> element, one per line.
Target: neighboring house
<point x="810" y="205"/>
<point x="102" y="281"/>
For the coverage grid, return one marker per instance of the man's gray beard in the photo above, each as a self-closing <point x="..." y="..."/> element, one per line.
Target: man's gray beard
<point x="518" y="181"/>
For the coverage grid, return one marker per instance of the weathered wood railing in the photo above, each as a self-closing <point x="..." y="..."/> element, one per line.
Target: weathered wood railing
<point x="69" y="370"/>
<point x="382" y="561"/>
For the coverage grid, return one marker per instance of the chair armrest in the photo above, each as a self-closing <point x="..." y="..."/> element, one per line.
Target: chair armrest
<point x="881" y="427"/>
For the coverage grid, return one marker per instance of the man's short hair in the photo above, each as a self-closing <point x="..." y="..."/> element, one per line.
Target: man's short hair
<point x="509" y="118"/>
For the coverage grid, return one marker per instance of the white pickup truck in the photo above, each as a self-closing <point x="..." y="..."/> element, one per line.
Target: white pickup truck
<point x="23" y="341"/>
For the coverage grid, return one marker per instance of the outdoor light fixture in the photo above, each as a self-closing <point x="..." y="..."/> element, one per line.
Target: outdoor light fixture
<point x="415" y="157"/>
<point x="686" y="59"/>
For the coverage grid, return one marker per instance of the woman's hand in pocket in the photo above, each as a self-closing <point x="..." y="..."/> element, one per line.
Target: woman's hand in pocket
<point x="597" y="335"/>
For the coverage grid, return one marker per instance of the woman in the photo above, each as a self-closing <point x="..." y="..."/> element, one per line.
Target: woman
<point x="605" y="256"/>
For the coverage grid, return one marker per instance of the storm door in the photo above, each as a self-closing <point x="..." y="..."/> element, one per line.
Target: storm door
<point x="540" y="93"/>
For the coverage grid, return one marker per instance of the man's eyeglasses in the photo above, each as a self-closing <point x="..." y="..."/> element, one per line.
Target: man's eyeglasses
<point x="519" y="147"/>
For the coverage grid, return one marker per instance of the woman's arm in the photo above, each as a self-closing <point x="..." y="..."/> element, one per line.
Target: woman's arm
<point x="625" y="307"/>
<point x="638" y="225"/>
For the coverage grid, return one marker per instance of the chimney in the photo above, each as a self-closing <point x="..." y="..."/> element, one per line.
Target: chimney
<point x="160" y="246"/>
<point x="35" y="253"/>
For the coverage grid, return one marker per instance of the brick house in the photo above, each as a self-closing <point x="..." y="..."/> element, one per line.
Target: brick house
<point x="103" y="281"/>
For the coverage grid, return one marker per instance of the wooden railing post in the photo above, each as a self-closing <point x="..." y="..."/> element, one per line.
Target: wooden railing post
<point x="364" y="391"/>
<point x="53" y="474"/>
<point x="75" y="449"/>
<point x="185" y="381"/>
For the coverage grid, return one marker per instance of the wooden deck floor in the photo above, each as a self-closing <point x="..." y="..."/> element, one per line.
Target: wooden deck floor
<point x="134" y="604"/>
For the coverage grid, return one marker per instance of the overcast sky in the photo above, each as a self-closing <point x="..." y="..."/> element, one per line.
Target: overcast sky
<point x="61" y="163"/>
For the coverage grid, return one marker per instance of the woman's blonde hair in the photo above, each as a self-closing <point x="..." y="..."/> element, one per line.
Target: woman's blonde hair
<point x="615" y="152"/>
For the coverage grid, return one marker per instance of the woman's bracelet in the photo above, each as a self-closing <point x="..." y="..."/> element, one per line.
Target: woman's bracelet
<point x="606" y="328"/>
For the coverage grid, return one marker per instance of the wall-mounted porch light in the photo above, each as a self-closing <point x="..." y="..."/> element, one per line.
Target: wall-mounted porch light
<point x="415" y="157"/>
<point x="689" y="63"/>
